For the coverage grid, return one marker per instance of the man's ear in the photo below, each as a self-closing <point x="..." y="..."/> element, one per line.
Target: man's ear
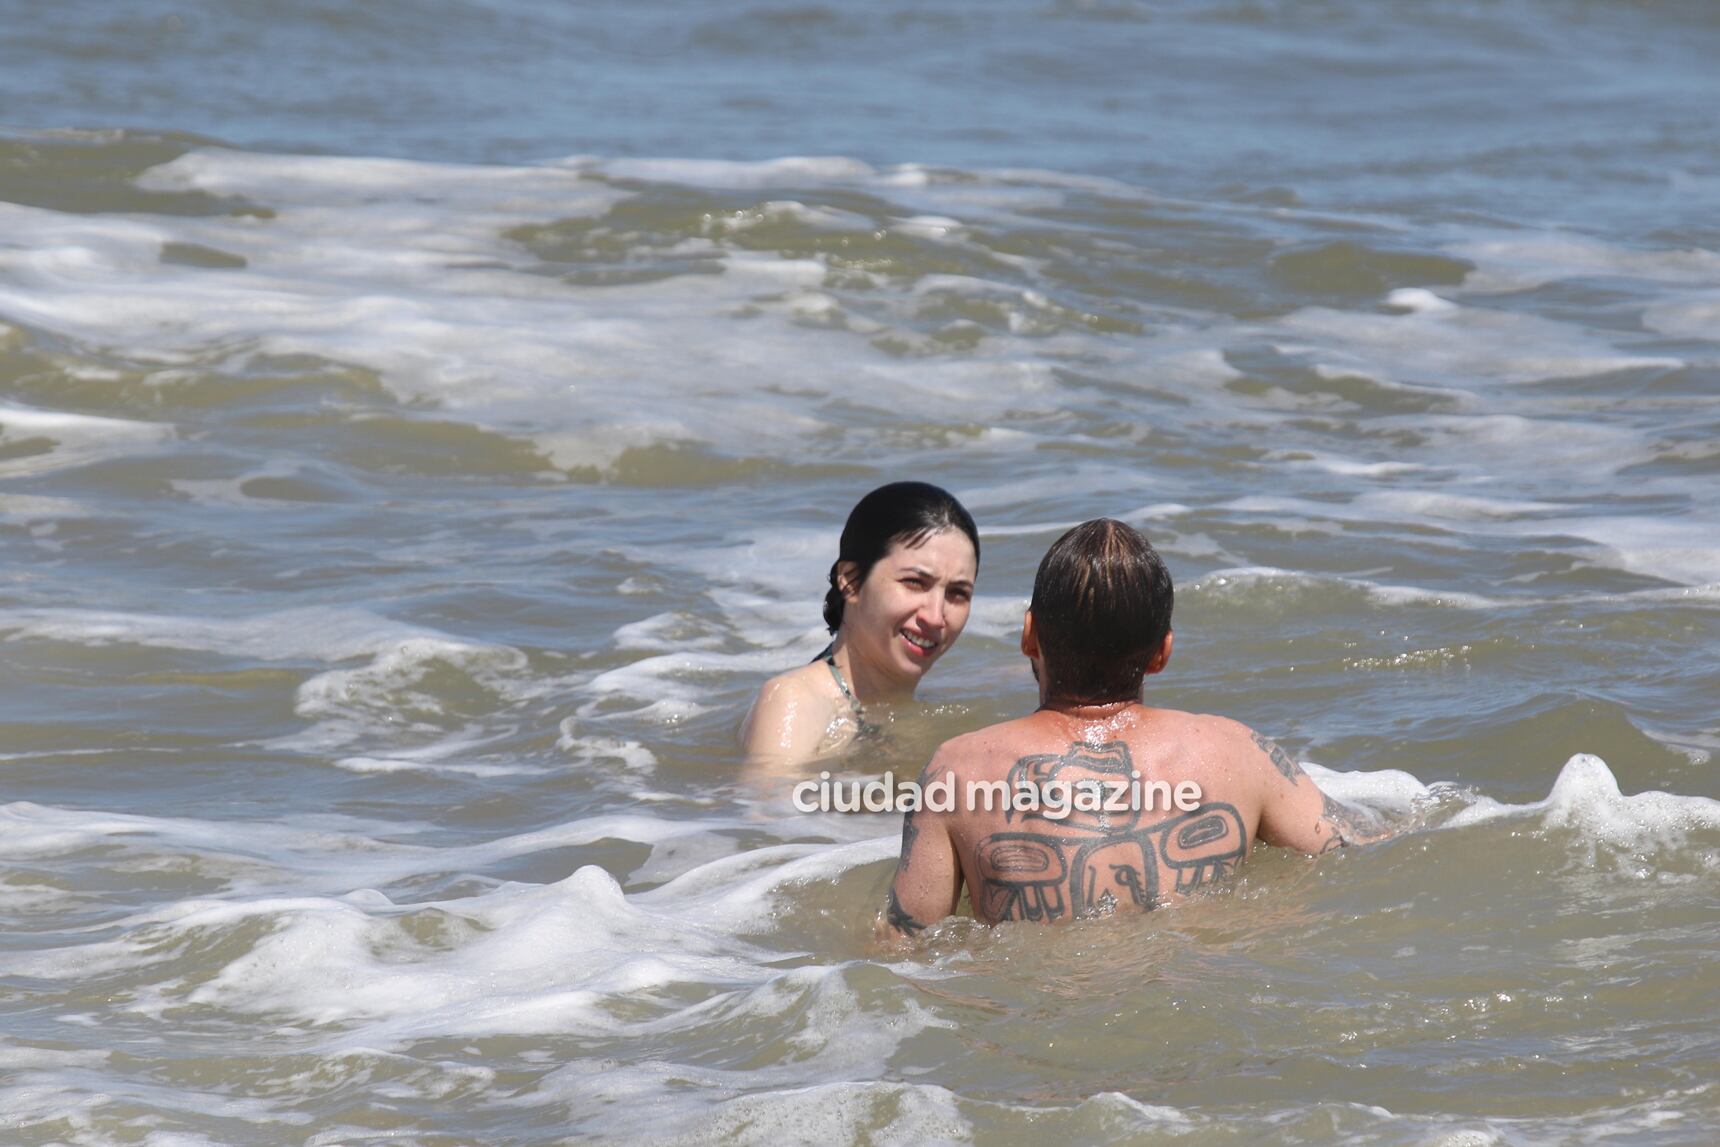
<point x="1163" y="657"/>
<point x="848" y="579"/>
<point x="1029" y="637"/>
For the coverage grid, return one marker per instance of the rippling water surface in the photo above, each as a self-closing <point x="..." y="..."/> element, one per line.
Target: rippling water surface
<point x="423" y="426"/>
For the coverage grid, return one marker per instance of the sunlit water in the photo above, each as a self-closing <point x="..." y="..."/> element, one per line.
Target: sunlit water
<point x="425" y="425"/>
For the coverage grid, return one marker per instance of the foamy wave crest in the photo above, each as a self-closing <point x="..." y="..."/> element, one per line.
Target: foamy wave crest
<point x="1631" y="830"/>
<point x="414" y="706"/>
<point x="64" y="439"/>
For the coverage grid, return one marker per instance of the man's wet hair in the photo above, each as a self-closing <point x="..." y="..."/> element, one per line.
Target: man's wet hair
<point x="1101" y="608"/>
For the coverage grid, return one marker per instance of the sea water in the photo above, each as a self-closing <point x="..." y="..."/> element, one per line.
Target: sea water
<point x="423" y="426"/>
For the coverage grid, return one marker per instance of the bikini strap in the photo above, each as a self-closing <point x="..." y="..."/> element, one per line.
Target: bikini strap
<point x="853" y="701"/>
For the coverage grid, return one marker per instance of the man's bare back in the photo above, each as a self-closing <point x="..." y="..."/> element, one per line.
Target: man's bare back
<point x="1111" y="836"/>
<point x="1197" y="791"/>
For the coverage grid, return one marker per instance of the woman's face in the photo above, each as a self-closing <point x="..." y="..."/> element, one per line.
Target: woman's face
<point x="912" y="605"/>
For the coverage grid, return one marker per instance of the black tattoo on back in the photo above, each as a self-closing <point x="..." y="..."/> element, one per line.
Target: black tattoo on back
<point x="1095" y="862"/>
<point x="1282" y="760"/>
<point x="1084" y="763"/>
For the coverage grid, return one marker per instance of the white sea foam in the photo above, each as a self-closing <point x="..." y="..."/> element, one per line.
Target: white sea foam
<point x="331" y="633"/>
<point x="836" y="1039"/>
<point x="1420" y="301"/>
<point x="356" y="971"/>
<point x="1695" y="317"/>
<point x="322" y="854"/>
<point x="1431" y="504"/>
<point x="434" y="758"/>
<point x="1585" y="797"/>
<point x="793" y="171"/>
<point x="71" y="439"/>
<point x="1459" y="346"/>
<point x="351" y="706"/>
<point x="401" y="266"/>
<point x="1568" y="454"/>
<point x="27" y="508"/>
<point x="1348" y="467"/>
<point x="996" y="616"/>
<point x="920" y="1113"/>
<point x="782" y="559"/>
<point x="518" y="959"/>
<point x="419" y="298"/>
<point x="1389" y="791"/>
<point x="525" y="958"/>
<point x="1251" y="578"/>
<point x="404" y="268"/>
<point x="371" y="707"/>
<point x="1519" y="262"/>
<point x="231" y="491"/>
<point x="75" y="1097"/>
<point x="1678" y="549"/>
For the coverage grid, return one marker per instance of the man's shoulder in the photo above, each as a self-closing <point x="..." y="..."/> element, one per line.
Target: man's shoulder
<point x="983" y="741"/>
<point x="1176" y="722"/>
<point x="1028" y="734"/>
<point x="975" y="750"/>
<point x="985" y="751"/>
<point x="1246" y="756"/>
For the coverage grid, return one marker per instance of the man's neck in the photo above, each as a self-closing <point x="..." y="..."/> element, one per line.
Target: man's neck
<point x="1087" y="710"/>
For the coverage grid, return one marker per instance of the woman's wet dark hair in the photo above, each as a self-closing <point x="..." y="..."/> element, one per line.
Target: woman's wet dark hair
<point x="905" y="512"/>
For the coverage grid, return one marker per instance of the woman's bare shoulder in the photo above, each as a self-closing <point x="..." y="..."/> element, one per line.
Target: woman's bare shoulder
<point x="802" y="682"/>
<point x="791" y="713"/>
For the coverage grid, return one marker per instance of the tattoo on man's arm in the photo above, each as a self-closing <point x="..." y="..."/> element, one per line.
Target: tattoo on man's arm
<point x="1347" y="827"/>
<point x="1280" y="759"/>
<point x="910" y="826"/>
<point x="910" y="834"/>
<point x="900" y="919"/>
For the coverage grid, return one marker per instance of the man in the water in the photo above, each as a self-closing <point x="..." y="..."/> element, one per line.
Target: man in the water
<point x="1068" y="812"/>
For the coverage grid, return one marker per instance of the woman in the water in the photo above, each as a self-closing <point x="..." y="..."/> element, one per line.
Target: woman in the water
<point x="900" y="592"/>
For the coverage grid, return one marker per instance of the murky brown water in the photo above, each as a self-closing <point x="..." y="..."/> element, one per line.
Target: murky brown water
<point x="393" y="545"/>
